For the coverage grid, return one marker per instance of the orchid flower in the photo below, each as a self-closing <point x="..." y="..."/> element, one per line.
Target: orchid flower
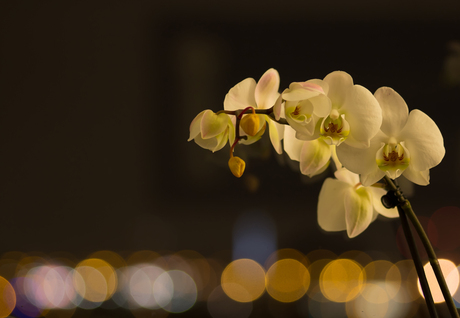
<point x="314" y="155"/>
<point x="408" y="144"/>
<point x="344" y="204"/>
<point x="212" y="131"/>
<point x="260" y="95"/>
<point x="305" y="104"/>
<point x="354" y="117"/>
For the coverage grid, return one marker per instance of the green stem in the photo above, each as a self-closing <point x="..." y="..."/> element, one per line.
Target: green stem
<point x="418" y="263"/>
<point x="406" y="206"/>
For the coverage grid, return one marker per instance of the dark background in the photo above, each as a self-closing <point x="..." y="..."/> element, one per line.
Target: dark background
<point x="96" y="98"/>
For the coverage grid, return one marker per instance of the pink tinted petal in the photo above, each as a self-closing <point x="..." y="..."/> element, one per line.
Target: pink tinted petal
<point x="266" y="91"/>
<point x="321" y="83"/>
<point x="394" y="110"/>
<point x="339" y="85"/>
<point x="358" y="210"/>
<point x="278" y="107"/>
<point x="331" y="208"/>
<point x="424" y="141"/>
<point x="241" y="95"/>
<point x="302" y="90"/>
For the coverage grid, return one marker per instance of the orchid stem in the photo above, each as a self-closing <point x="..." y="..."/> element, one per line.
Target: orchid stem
<point x="418" y="263"/>
<point x="406" y="206"/>
<point x="268" y="112"/>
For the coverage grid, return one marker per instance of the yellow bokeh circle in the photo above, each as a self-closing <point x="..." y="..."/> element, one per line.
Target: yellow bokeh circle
<point x="341" y="280"/>
<point x="243" y="280"/>
<point x="287" y="280"/>
<point x="7" y="299"/>
<point x="95" y="280"/>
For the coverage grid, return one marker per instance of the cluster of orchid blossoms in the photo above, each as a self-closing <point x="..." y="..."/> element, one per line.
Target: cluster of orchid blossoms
<point x="366" y="135"/>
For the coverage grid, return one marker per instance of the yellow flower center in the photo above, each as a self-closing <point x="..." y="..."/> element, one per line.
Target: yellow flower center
<point x="334" y="128"/>
<point x="393" y="158"/>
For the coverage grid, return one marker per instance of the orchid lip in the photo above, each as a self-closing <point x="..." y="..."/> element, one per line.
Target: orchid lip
<point x="334" y="128"/>
<point x="393" y="158"/>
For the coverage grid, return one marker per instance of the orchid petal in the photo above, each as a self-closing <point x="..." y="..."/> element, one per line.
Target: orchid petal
<point x="303" y="135"/>
<point x="302" y="90"/>
<point x="314" y="156"/>
<point x="424" y="141"/>
<point x="347" y="176"/>
<point x="266" y="91"/>
<point x="210" y="144"/>
<point x="241" y="95"/>
<point x="195" y="126"/>
<point x="394" y="110"/>
<point x="418" y="177"/>
<point x="377" y="194"/>
<point x="321" y="83"/>
<point x="331" y="209"/>
<point x="212" y="124"/>
<point x="363" y="113"/>
<point x="358" y="210"/>
<point x="292" y="145"/>
<point x="276" y="132"/>
<point x="361" y="161"/>
<point x="339" y="84"/>
<point x="278" y="107"/>
<point x="221" y="141"/>
<point x="321" y="105"/>
<point x="372" y="177"/>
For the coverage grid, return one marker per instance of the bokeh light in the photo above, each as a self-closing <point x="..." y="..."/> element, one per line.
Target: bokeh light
<point x="7" y="299"/>
<point x="443" y="228"/>
<point x="97" y="280"/>
<point x="287" y="280"/>
<point x="184" y="292"/>
<point x="450" y="272"/>
<point x="243" y="280"/>
<point x="341" y="280"/>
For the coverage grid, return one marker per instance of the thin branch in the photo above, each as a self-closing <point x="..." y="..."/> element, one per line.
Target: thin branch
<point x="406" y="206"/>
<point x="418" y="264"/>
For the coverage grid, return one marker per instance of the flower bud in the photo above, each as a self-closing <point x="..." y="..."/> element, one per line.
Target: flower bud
<point x="236" y="165"/>
<point x="250" y="124"/>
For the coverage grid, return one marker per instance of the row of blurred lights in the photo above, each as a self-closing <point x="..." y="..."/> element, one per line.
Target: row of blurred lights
<point x="33" y="286"/>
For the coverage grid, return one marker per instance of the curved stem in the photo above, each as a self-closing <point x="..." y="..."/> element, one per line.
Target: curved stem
<point x="406" y="206"/>
<point x="418" y="263"/>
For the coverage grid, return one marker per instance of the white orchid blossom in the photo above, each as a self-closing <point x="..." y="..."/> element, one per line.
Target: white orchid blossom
<point x="260" y="95"/>
<point x="344" y="204"/>
<point x="305" y="104"/>
<point x="408" y="144"/>
<point x="354" y="117"/>
<point x="212" y="131"/>
<point x="314" y="155"/>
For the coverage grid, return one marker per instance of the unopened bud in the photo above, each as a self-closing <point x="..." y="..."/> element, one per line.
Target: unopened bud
<point x="236" y="165"/>
<point x="250" y="124"/>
